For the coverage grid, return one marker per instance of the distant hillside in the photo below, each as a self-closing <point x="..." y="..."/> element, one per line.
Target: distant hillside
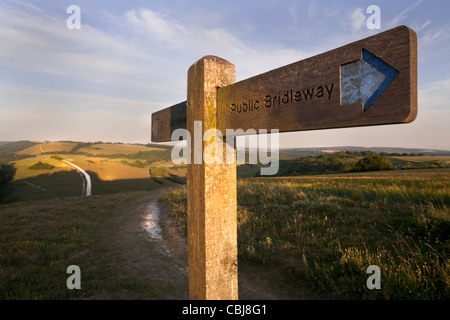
<point x="8" y="149"/>
<point x="89" y="148"/>
<point x="358" y="161"/>
<point x="293" y="152"/>
<point x="39" y="173"/>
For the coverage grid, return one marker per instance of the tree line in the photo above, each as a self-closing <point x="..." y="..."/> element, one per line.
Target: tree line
<point x="338" y="162"/>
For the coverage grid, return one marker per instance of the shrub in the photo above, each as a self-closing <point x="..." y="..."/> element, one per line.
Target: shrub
<point x="136" y="164"/>
<point x="373" y="162"/>
<point x="41" y="166"/>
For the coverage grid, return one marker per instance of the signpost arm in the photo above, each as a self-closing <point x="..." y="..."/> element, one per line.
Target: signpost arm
<point x="212" y="205"/>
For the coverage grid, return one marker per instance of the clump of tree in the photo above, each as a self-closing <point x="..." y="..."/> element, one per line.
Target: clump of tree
<point x="326" y="163"/>
<point x="338" y="162"/>
<point x="160" y="172"/>
<point x="136" y="164"/>
<point x="373" y="162"/>
<point x="79" y="146"/>
<point x="41" y="166"/>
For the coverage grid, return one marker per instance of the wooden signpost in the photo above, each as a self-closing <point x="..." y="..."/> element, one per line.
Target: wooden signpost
<point x="368" y="82"/>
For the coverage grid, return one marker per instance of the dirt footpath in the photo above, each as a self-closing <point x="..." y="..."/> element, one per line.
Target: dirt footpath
<point x="147" y="247"/>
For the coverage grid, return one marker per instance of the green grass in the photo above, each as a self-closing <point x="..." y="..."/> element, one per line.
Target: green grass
<point x="324" y="231"/>
<point x="40" y="239"/>
<point x="420" y="162"/>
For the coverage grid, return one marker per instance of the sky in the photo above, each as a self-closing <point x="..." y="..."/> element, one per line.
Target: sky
<point x="128" y="59"/>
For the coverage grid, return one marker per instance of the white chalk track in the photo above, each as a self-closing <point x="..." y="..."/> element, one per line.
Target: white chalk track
<point x="88" y="185"/>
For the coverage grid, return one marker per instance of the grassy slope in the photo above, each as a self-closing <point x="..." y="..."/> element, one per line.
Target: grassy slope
<point x="47" y="148"/>
<point x="40" y="239"/>
<point x="109" y="149"/>
<point x="108" y="175"/>
<point x="326" y="230"/>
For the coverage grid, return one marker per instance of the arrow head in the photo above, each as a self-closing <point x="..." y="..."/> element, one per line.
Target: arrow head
<point x="365" y="80"/>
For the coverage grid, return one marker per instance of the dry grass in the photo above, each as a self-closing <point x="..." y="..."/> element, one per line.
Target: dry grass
<point x="110" y="149"/>
<point x="48" y="147"/>
<point x="23" y="171"/>
<point x="446" y="159"/>
<point x="326" y="230"/>
<point x="109" y="170"/>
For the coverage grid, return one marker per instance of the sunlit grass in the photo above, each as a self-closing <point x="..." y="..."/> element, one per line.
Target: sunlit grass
<point x="326" y="230"/>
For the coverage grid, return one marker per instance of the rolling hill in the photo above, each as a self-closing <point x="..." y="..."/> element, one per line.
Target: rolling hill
<point x="309" y="233"/>
<point x="119" y="167"/>
<point x="39" y="172"/>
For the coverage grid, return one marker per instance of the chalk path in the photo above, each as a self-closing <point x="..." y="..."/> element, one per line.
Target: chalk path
<point x="88" y="185"/>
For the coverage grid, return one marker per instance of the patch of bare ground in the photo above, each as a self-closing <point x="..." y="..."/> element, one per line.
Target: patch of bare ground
<point x="144" y="268"/>
<point x="156" y="267"/>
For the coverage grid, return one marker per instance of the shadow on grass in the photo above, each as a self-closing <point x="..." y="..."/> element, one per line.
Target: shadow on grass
<point x="65" y="184"/>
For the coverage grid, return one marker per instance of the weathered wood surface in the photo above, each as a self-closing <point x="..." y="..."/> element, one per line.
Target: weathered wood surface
<point x="165" y="121"/>
<point x="211" y="188"/>
<point x="306" y="95"/>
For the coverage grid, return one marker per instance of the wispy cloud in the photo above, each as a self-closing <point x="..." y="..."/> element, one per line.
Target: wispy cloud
<point x="436" y="34"/>
<point x="199" y="40"/>
<point x="312" y="10"/>
<point x="358" y="19"/>
<point x="41" y="42"/>
<point x="436" y="96"/>
<point x="293" y="13"/>
<point x="185" y="37"/>
<point x="146" y="57"/>
<point x="403" y="14"/>
<point x="421" y="26"/>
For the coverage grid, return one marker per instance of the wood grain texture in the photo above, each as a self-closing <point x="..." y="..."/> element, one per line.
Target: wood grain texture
<point x="165" y="121"/>
<point x="211" y="188"/>
<point x="312" y="79"/>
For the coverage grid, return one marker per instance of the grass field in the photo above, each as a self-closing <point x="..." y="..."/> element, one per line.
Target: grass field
<point x="325" y="231"/>
<point x="40" y="239"/>
<point x="416" y="162"/>
<point x="24" y="172"/>
<point x="321" y="231"/>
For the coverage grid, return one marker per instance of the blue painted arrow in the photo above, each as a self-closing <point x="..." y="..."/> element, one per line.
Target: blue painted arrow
<point x="365" y="79"/>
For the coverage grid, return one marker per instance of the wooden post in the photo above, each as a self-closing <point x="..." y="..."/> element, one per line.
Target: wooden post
<point x="212" y="205"/>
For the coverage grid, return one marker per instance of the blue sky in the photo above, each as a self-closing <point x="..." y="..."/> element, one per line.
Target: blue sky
<point x="130" y="58"/>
